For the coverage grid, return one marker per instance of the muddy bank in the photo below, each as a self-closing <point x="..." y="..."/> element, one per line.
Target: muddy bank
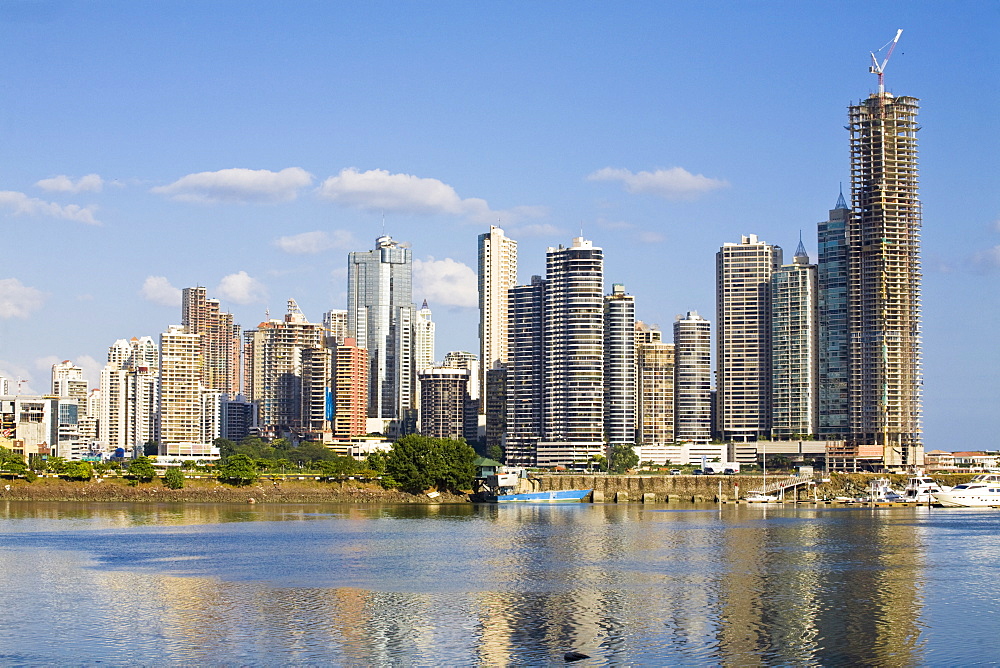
<point x="210" y="491"/>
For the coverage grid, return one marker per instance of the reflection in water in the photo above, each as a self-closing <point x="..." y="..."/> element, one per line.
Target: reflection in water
<point x="474" y="585"/>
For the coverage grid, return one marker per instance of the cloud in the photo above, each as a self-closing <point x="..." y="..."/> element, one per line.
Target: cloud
<point x="651" y="237"/>
<point x="91" y="368"/>
<point x="241" y="288"/>
<point x="64" y="184"/>
<point x="18" y="300"/>
<point x="243" y="186"/>
<point x="157" y="289"/>
<point x="988" y="259"/>
<point x="537" y="230"/>
<point x="446" y="282"/>
<point x="12" y="371"/>
<point x="309" y="243"/>
<point x="675" y="183"/>
<point x="21" y="204"/>
<point x="380" y="190"/>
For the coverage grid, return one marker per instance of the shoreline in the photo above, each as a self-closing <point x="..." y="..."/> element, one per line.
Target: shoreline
<point x="112" y="490"/>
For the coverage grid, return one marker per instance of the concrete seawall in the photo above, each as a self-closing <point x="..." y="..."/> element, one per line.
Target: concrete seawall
<point x="688" y="488"/>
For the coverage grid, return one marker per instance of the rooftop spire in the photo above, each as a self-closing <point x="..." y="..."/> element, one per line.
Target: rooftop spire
<point x="841" y="202"/>
<point x="801" y="256"/>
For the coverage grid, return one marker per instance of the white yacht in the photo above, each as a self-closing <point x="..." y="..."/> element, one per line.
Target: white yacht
<point x="921" y="489"/>
<point x="980" y="492"/>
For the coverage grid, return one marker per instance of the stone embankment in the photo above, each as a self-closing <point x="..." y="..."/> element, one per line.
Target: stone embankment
<point x="697" y="488"/>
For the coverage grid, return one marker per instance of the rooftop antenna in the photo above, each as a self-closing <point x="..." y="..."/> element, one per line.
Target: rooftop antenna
<point x="879" y="69"/>
<point x="383" y="222"/>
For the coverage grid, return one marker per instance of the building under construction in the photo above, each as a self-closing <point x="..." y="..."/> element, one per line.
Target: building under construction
<point x="883" y="238"/>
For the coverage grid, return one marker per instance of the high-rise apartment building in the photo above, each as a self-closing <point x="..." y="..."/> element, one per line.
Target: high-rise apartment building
<point x="834" y="327"/>
<point x="68" y="381"/>
<point x="619" y="367"/>
<point x="883" y="237"/>
<point x="525" y="365"/>
<point x="335" y="326"/>
<point x="443" y="400"/>
<point x="220" y="340"/>
<point x="573" y="353"/>
<point x="181" y="416"/>
<point x="129" y="396"/>
<point x="794" y="354"/>
<point x="743" y="337"/>
<point x="692" y="378"/>
<point x="275" y="355"/>
<point x="380" y="317"/>
<point x="497" y="275"/>
<point x="350" y="390"/>
<point x="654" y="361"/>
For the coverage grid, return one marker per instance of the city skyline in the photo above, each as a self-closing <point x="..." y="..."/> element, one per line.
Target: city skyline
<point x="662" y="133"/>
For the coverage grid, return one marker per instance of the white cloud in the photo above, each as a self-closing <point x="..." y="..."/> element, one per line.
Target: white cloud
<point x="13" y="371"/>
<point x="91" y="368"/>
<point x="675" y="183"/>
<point x="309" y="243"/>
<point x="988" y="259"/>
<point x="241" y="288"/>
<point x="20" y="204"/>
<point x="157" y="289"/>
<point x="64" y="184"/>
<point x="18" y="300"/>
<point x="238" y="185"/>
<point x="537" y="230"/>
<point x="651" y="237"/>
<point x="380" y="190"/>
<point x="445" y="282"/>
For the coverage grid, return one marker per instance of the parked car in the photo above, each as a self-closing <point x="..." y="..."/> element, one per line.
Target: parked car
<point x="698" y="472"/>
<point x="675" y="471"/>
<point x="729" y="472"/>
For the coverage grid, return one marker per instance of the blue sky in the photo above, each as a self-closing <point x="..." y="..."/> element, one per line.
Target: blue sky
<point x="248" y="147"/>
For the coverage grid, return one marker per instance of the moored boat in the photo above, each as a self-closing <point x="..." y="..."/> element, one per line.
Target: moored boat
<point x="551" y="496"/>
<point x="921" y="489"/>
<point x="982" y="491"/>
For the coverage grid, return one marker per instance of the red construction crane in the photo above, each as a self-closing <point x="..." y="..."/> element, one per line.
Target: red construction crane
<point x="878" y="69"/>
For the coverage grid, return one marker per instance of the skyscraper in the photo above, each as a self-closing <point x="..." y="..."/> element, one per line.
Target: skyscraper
<point x="497" y="275"/>
<point x="380" y="317"/>
<point x="573" y="353"/>
<point x="834" y="329"/>
<point x="743" y="337"/>
<point x="277" y="358"/>
<point x="654" y="361"/>
<point x="129" y="394"/>
<point x="443" y="400"/>
<point x="350" y="389"/>
<point x="220" y="340"/>
<point x="525" y="380"/>
<point x="794" y="342"/>
<point x="181" y="417"/>
<point x="693" y="378"/>
<point x="619" y="367"/>
<point x="883" y="237"/>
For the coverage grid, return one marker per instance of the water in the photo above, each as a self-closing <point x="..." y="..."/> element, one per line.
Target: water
<point x="468" y="585"/>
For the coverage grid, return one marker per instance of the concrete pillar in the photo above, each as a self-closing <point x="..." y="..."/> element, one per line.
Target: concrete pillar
<point x="597" y="497"/>
<point x="621" y="497"/>
<point x="648" y="498"/>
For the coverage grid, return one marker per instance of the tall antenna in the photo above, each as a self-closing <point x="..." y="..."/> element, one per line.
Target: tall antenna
<point x="878" y="69"/>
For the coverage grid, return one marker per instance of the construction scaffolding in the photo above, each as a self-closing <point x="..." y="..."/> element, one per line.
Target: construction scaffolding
<point x="884" y="278"/>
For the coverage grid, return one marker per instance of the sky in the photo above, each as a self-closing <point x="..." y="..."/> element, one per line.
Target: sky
<point x="248" y="147"/>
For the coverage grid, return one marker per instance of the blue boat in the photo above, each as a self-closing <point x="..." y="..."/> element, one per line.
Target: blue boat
<point x="553" y="496"/>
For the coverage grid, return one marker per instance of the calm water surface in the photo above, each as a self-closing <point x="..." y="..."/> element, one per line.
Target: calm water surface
<point x="468" y="585"/>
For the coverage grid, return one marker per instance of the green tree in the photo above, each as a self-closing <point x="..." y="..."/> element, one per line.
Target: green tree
<point x="418" y="463"/>
<point x="55" y="464"/>
<point x="375" y="461"/>
<point x="239" y="470"/>
<point x="599" y="462"/>
<point x="622" y="458"/>
<point x="340" y="466"/>
<point x="173" y="478"/>
<point x="141" y="469"/>
<point x="151" y="449"/>
<point x="311" y="452"/>
<point x="495" y="452"/>
<point x="12" y="462"/>
<point x="77" y="471"/>
<point x="225" y="446"/>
